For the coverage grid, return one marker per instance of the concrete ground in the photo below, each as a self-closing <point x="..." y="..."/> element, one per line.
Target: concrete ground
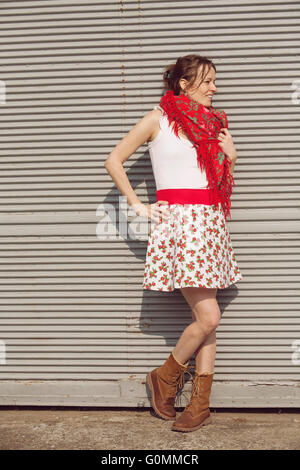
<point x="134" y="429"/>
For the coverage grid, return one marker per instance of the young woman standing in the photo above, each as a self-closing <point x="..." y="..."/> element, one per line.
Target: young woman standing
<point x="189" y="247"/>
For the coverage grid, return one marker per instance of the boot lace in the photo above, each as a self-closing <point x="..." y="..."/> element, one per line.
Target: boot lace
<point x="182" y="392"/>
<point x="177" y="385"/>
<point x="196" y="392"/>
<point x="197" y="389"/>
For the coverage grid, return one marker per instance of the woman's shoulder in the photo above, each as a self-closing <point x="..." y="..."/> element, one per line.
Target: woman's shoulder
<point x="156" y="115"/>
<point x="159" y="108"/>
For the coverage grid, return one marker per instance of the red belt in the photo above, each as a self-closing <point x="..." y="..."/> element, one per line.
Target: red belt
<point x="186" y="196"/>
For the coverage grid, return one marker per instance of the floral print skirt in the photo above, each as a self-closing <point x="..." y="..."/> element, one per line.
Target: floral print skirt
<point x="191" y="249"/>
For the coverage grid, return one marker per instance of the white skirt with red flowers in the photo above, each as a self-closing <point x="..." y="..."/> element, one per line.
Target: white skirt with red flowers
<point x="191" y="249"/>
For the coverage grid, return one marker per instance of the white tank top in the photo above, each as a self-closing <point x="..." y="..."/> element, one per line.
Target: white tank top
<point x="174" y="160"/>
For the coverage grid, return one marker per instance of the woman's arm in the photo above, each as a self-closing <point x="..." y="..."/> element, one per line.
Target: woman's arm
<point x="136" y="137"/>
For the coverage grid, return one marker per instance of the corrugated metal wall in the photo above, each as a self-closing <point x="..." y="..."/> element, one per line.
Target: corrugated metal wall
<point x="76" y="325"/>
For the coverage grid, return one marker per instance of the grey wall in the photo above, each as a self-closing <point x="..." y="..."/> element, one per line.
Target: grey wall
<point x="75" y="323"/>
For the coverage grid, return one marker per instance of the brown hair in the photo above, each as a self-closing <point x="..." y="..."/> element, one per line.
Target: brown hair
<point x="185" y="67"/>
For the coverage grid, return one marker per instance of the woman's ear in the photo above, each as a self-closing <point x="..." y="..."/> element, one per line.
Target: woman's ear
<point x="183" y="83"/>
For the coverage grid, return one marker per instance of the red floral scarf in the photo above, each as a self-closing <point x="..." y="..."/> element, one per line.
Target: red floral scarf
<point x="202" y="124"/>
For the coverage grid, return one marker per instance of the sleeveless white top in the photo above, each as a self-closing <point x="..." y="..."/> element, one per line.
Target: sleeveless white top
<point x="174" y="160"/>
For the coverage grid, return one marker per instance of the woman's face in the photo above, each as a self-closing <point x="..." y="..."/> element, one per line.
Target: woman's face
<point x="202" y="93"/>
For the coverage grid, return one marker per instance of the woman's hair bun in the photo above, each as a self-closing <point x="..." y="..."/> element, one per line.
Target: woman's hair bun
<point x="168" y="75"/>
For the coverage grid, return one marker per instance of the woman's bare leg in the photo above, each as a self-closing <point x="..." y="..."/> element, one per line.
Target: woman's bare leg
<point x="200" y="336"/>
<point x="206" y="354"/>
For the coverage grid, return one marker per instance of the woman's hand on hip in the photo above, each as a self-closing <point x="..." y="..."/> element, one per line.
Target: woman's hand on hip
<point x="155" y="211"/>
<point x="158" y="211"/>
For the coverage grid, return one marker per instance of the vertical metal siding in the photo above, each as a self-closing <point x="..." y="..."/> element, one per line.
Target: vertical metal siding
<point x="77" y="326"/>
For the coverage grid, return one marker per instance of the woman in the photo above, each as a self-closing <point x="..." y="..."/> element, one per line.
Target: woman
<point x="193" y="158"/>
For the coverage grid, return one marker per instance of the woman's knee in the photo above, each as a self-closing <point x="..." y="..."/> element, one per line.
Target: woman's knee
<point x="209" y="322"/>
<point x="214" y="321"/>
<point x="206" y="326"/>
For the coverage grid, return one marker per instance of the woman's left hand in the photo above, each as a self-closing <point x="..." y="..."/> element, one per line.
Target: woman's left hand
<point x="226" y="144"/>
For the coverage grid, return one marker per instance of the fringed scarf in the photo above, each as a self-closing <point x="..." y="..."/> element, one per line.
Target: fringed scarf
<point x="202" y="124"/>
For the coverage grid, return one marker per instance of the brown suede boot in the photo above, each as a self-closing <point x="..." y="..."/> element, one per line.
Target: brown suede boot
<point x="163" y="382"/>
<point x="196" y="413"/>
